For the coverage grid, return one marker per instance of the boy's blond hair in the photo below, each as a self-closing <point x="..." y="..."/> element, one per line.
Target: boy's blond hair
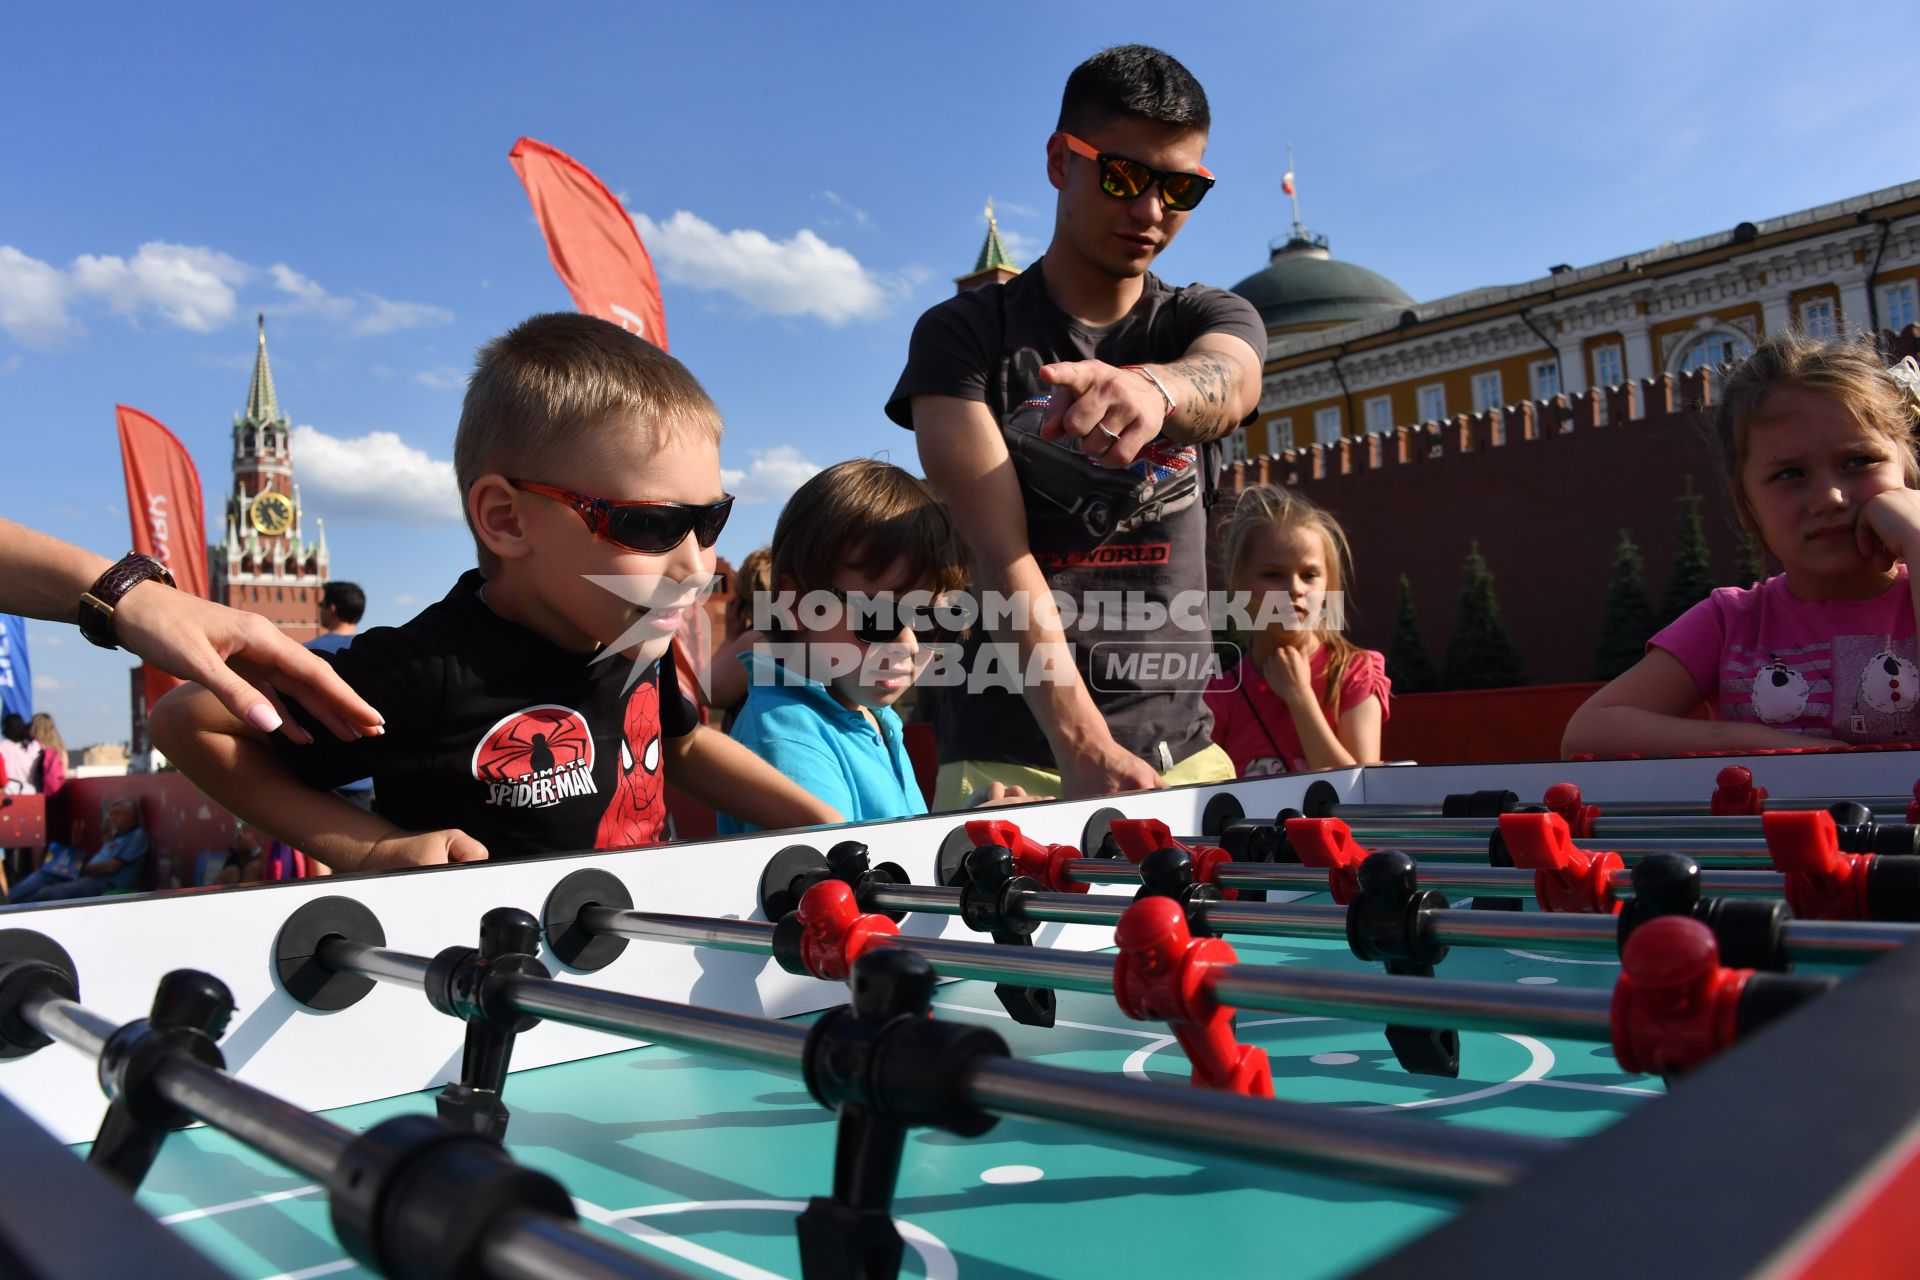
<point x="547" y="390"/>
<point x="865" y="514"/>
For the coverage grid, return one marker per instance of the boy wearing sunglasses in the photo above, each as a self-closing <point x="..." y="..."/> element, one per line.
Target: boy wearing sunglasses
<point x="535" y="709"/>
<point x="865" y="549"/>
<point x="1060" y="414"/>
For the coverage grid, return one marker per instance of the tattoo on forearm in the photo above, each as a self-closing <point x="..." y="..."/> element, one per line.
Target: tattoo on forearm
<point x="1208" y="410"/>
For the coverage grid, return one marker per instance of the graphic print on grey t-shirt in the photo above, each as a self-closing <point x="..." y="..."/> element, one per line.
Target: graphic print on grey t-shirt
<point x="1105" y="502"/>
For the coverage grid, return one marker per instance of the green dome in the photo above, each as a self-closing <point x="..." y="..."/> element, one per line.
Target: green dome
<point x="1305" y="288"/>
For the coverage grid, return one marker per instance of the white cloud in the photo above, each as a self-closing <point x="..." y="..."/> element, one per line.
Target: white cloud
<point x="371" y="317"/>
<point x="442" y="378"/>
<point x="189" y="285"/>
<point x="801" y="276"/>
<point x="46" y="684"/>
<point x="33" y="300"/>
<point x="771" y="477"/>
<point x="287" y="280"/>
<point x="1026" y="249"/>
<point x="386" y="316"/>
<point x="839" y="202"/>
<point x="377" y="476"/>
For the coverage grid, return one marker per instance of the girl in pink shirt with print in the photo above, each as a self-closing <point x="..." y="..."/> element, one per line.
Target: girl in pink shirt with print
<point x="1305" y="696"/>
<point x="1818" y="438"/>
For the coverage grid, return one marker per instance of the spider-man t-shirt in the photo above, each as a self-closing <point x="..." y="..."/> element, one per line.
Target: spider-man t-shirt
<point x="496" y="731"/>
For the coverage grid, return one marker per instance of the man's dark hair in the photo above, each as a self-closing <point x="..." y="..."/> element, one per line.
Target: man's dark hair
<point x="1133" y="80"/>
<point x="348" y="600"/>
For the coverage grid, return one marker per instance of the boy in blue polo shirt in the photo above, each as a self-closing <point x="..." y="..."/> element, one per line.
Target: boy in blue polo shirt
<point x="861" y="552"/>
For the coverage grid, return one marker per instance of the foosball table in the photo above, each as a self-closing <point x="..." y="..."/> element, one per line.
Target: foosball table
<point x="1647" y="1017"/>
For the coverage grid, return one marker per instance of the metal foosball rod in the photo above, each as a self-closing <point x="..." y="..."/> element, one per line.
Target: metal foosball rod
<point x="1449" y="877"/>
<point x="1815" y="876"/>
<point x="1729" y="841"/>
<point x="1802" y="941"/>
<point x="408" y="1197"/>
<point x="1668" y="982"/>
<point x="1467" y="827"/>
<point x="1751" y="934"/>
<point x="1734" y="794"/>
<point x="973" y="1074"/>
<point x="1437" y="1003"/>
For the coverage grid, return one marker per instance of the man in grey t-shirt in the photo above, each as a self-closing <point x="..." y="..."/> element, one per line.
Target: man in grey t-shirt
<point x="1058" y="414"/>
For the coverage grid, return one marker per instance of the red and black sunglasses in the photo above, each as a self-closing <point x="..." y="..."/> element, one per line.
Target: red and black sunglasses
<point x="651" y="528"/>
<point x="1128" y="179"/>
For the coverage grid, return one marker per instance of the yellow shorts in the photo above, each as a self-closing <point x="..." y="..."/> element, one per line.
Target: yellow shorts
<point x="959" y="780"/>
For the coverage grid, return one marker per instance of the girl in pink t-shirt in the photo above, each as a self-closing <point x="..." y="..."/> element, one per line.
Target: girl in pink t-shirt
<point x="1304" y="697"/>
<point x="1819" y="441"/>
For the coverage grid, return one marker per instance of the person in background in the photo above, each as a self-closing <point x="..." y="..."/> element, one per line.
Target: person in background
<point x="1818" y="439"/>
<point x="21" y="755"/>
<point x="1061" y="415"/>
<point x="51" y="773"/>
<point x="820" y="699"/>
<point x="19" y="776"/>
<point x="342" y="605"/>
<point x="243" y="862"/>
<point x="1305" y="696"/>
<point x="117" y="866"/>
<point x="727" y="687"/>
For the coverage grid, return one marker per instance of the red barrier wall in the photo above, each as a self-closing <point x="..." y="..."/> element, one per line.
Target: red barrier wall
<point x="1482" y="725"/>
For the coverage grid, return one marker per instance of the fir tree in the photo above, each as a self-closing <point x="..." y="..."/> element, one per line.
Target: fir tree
<point x="1480" y="654"/>
<point x="1408" y="665"/>
<point x="1628" y="622"/>
<point x="1749" y="564"/>
<point x="1692" y="579"/>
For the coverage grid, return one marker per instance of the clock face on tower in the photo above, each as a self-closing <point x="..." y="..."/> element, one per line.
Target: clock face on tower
<point x="272" y="513"/>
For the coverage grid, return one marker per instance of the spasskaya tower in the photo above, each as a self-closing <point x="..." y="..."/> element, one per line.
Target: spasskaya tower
<point x="264" y="565"/>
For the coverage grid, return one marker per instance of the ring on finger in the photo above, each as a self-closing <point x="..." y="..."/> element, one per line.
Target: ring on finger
<point x="1101" y="427"/>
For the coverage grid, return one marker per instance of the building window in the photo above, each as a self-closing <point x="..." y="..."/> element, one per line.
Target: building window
<point x="1899" y="310"/>
<point x="1545" y="377"/>
<point x="1432" y="401"/>
<point x="1711" y="350"/>
<point x="1326" y="425"/>
<point x="1486" y="391"/>
<point x="1279" y="435"/>
<point x="1816" y="318"/>
<point x="1233" y="447"/>
<point x="1380" y="413"/>
<point x="1607" y="367"/>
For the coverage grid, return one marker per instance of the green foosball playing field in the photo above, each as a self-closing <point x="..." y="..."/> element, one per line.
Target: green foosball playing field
<point x="706" y="1162"/>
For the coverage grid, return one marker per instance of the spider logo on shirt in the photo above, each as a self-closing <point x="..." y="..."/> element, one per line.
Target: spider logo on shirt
<point x="534" y="742"/>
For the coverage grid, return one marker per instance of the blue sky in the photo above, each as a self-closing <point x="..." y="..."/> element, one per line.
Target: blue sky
<point x="810" y="179"/>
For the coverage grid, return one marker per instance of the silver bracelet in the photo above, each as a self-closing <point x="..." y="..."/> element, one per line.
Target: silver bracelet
<point x="1173" y="406"/>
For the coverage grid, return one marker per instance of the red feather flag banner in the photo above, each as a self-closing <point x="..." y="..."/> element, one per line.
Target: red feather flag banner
<point x="163" y="499"/>
<point x="592" y="240"/>
<point x="606" y="267"/>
